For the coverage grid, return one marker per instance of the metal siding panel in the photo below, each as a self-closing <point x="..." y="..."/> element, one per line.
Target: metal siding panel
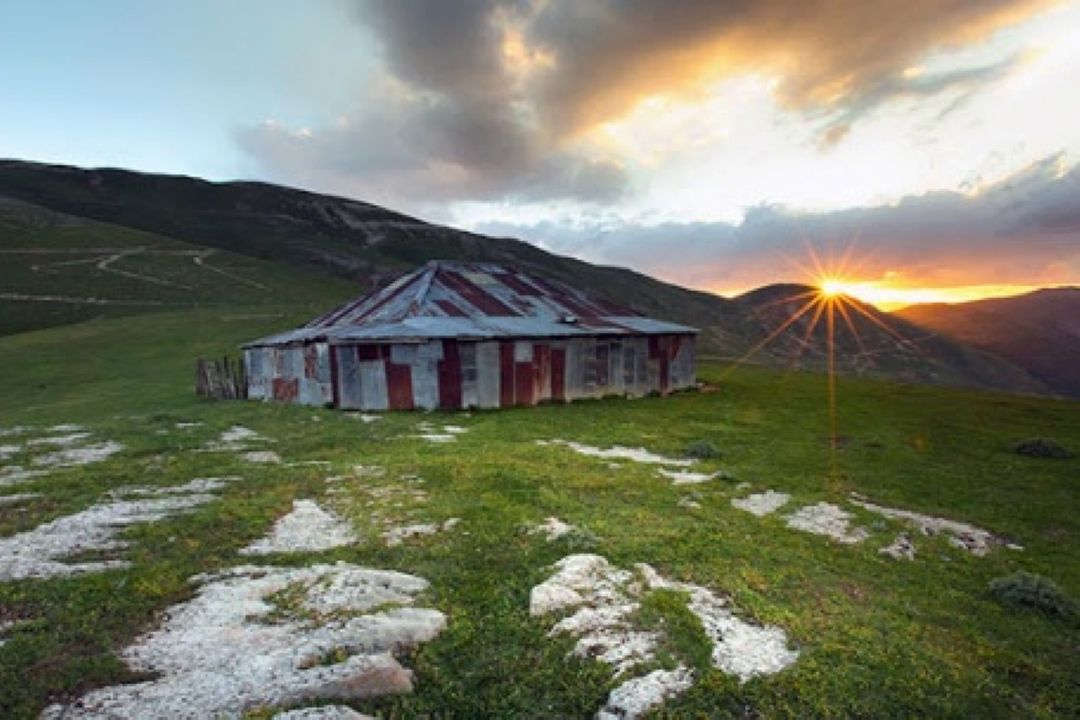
<point x="373" y="393"/>
<point x="350" y="394"/>
<point x="523" y="351"/>
<point x="403" y="354"/>
<point x="255" y="367"/>
<point x="286" y="390"/>
<point x="425" y="374"/>
<point x="488" y="372"/>
<point x="615" y="374"/>
<point x="506" y="374"/>
<point x="294" y="363"/>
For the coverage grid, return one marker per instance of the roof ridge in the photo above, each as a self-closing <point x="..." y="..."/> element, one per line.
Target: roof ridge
<point x="426" y="281"/>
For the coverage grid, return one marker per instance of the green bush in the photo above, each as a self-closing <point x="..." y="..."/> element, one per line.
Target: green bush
<point x="702" y="450"/>
<point x="1035" y="592"/>
<point x="1042" y="448"/>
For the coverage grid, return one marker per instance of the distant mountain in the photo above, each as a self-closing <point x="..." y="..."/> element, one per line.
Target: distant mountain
<point x="260" y="230"/>
<point x="868" y="341"/>
<point x="1039" y="331"/>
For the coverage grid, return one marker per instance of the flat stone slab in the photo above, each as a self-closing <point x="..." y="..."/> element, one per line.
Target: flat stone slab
<point x="599" y="603"/>
<point x="257" y="637"/>
<point x="307" y="528"/>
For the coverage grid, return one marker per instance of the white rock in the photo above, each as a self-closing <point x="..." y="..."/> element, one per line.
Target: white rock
<point x="639" y="695"/>
<point x="263" y="457"/>
<point x="235" y="439"/>
<point x="364" y="418"/>
<point x="618" y="452"/>
<point x="324" y="712"/>
<point x="7" y="451"/>
<point x="740" y="648"/>
<point x="762" y="504"/>
<point x="901" y="548"/>
<point x="829" y="520"/>
<point x="604" y="600"/>
<point x="39" y="553"/>
<point x="60" y="440"/>
<point x="228" y="650"/>
<point x="552" y="528"/>
<point x="685" y="477"/>
<point x="437" y="437"/>
<point x="17" y="498"/>
<point x="964" y="536"/>
<point x="15" y="474"/>
<point x="198" y="485"/>
<point x="66" y="428"/>
<point x="394" y="536"/>
<point x="74" y="456"/>
<point x="308" y="528"/>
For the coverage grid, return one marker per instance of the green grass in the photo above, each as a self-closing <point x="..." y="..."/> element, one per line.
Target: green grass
<point x="878" y="638"/>
<point x="45" y="253"/>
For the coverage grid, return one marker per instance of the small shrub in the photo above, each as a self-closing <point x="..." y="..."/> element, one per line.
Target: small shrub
<point x="1034" y="592"/>
<point x="1040" y="447"/>
<point x="702" y="450"/>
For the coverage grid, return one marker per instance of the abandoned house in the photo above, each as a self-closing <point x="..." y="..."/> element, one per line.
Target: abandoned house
<point x="458" y="335"/>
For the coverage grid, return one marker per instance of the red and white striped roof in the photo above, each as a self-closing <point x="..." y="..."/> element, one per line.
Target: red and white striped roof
<point x="458" y="299"/>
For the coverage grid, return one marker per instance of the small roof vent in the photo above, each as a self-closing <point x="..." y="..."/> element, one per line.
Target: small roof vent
<point x="569" y="319"/>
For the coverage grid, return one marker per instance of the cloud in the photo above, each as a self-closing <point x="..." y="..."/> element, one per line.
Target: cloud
<point x="493" y="100"/>
<point x="1024" y="229"/>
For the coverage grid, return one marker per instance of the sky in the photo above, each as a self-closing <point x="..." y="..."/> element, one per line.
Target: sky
<point x="915" y="151"/>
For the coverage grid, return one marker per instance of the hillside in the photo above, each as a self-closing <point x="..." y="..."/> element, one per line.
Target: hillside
<point x="108" y="443"/>
<point x="359" y="242"/>
<point x="58" y="268"/>
<point x="870" y="342"/>
<point x="205" y="231"/>
<point x="1039" y="331"/>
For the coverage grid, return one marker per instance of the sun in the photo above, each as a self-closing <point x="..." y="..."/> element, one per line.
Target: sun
<point x="831" y="287"/>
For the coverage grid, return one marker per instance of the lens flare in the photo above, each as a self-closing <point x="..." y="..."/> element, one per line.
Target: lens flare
<point x="833" y="294"/>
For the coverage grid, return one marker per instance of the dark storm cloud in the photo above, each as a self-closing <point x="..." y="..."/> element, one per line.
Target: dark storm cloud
<point x="464" y="119"/>
<point x="1023" y="230"/>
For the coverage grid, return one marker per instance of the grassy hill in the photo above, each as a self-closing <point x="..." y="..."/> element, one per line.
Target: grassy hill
<point x="876" y="637"/>
<point x="58" y="269"/>
<point x="1039" y="331"/>
<point x="158" y="242"/>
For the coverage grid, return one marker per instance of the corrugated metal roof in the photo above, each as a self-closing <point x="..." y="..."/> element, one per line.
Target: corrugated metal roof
<point x="473" y="300"/>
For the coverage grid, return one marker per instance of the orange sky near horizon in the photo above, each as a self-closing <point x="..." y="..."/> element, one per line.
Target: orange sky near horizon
<point x="892" y="297"/>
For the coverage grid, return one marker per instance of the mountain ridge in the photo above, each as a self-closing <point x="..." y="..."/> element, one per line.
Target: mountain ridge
<point x="369" y="245"/>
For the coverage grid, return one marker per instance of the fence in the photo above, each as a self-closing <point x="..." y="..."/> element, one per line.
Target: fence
<point x="222" y="379"/>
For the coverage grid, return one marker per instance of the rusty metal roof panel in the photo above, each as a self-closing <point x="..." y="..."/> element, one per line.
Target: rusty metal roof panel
<point x="483" y="300"/>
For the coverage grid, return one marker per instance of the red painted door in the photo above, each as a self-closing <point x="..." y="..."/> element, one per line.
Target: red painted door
<point x="450" y="376"/>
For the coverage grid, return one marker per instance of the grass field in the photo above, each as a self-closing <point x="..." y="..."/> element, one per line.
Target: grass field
<point x="876" y="637"/>
<point x="57" y="269"/>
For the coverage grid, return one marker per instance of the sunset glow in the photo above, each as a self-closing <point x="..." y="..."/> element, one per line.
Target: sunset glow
<point x="885" y="296"/>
